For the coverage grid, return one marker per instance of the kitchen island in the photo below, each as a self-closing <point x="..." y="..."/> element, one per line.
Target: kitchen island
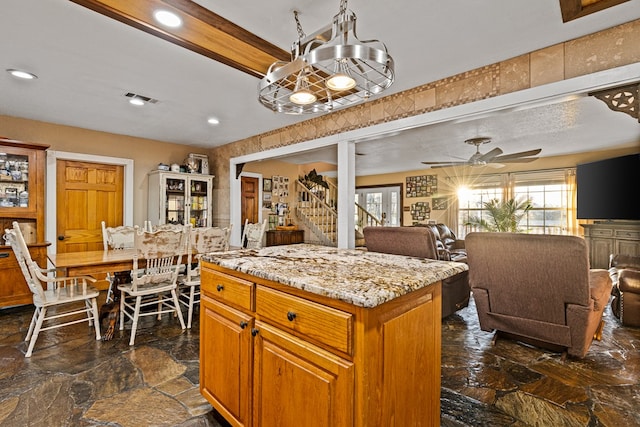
<point x="306" y="335"/>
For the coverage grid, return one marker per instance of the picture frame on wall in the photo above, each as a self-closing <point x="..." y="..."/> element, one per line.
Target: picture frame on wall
<point x="266" y="185"/>
<point x="439" y="203"/>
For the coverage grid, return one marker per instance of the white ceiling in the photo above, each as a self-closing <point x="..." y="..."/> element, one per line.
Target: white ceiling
<point x="86" y="62"/>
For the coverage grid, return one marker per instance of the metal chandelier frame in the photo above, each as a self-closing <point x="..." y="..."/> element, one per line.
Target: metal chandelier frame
<point x="301" y="85"/>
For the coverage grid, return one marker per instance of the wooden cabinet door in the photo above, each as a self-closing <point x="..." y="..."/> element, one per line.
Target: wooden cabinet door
<point x="297" y="384"/>
<point x="600" y="251"/>
<point x="225" y="360"/>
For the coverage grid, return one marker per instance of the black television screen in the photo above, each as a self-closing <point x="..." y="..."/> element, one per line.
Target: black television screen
<point x="609" y="189"/>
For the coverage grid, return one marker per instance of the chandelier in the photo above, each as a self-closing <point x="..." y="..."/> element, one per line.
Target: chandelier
<point x="329" y="69"/>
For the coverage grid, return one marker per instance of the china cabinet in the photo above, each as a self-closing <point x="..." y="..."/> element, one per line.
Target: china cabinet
<point x="180" y="198"/>
<point x="22" y="175"/>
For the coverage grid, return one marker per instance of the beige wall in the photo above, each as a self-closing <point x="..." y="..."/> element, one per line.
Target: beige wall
<point x="145" y="153"/>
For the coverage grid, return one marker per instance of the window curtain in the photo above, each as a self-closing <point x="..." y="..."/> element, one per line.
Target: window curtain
<point x="571" y="202"/>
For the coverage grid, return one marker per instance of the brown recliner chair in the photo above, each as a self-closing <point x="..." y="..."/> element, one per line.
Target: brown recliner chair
<point x="625" y="275"/>
<point x="537" y="289"/>
<point x="419" y="242"/>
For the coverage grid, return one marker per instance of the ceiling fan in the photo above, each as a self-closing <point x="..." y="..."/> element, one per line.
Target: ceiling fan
<point x="493" y="157"/>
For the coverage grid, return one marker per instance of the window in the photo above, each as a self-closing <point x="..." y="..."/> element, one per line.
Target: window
<point x="549" y="192"/>
<point x="471" y="200"/>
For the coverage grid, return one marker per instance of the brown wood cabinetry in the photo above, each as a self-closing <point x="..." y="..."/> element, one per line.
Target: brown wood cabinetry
<point x="607" y="238"/>
<point x="21" y="199"/>
<point x="275" y="355"/>
<point x="284" y="237"/>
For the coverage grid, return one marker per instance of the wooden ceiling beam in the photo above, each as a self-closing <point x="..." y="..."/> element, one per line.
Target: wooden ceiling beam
<point x="574" y="9"/>
<point x="202" y="31"/>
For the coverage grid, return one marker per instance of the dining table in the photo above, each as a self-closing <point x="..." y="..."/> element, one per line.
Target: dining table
<point x="89" y="263"/>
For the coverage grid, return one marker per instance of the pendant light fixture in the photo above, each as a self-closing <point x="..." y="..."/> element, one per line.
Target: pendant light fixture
<point x="329" y="69"/>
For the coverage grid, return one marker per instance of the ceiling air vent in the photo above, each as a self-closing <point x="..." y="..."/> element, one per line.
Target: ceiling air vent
<point x="146" y="99"/>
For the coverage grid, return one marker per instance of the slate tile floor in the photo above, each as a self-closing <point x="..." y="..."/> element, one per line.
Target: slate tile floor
<point x="73" y="380"/>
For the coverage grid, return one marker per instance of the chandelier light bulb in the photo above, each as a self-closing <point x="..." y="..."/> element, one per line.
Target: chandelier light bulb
<point x="340" y="81"/>
<point x="302" y="97"/>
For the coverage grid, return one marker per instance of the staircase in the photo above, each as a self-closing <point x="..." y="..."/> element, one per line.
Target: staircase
<point x="317" y="210"/>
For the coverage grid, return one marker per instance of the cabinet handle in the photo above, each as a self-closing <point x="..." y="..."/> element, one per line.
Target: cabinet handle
<point x="291" y="316"/>
<point x="255" y="331"/>
<point x="4" y="255"/>
<point x="243" y="324"/>
<point x="219" y="288"/>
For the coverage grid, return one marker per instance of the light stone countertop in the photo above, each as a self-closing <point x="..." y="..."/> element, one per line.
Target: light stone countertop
<point x="361" y="278"/>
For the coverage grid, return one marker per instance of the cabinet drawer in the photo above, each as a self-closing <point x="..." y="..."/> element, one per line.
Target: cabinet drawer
<point x="7" y="259"/>
<point x="598" y="232"/>
<point x="323" y="324"/>
<point x="628" y="234"/>
<point x="226" y="288"/>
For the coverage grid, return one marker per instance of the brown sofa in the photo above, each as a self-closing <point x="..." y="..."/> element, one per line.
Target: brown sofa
<point x="419" y="242"/>
<point x="537" y="289"/>
<point x="625" y="275"/>
<point x="449" y="246"/>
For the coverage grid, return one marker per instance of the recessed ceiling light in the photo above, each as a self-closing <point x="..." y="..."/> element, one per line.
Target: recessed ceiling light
<point x="21" y="74"/>
<point x="213" y="121"/>
<point x="167" y="18"/>
<point x="136" y="101"/>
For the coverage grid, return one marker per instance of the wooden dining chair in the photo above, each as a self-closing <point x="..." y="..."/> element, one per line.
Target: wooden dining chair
<point x="116" y="238"/>
<point x="153" y="285"/>
<point x="62" y="294"/>
<point x="202" y="240"/>
<point x="253" y="234"/>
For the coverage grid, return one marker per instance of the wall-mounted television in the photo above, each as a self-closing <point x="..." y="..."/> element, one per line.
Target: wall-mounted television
<point x="609" y="189"/>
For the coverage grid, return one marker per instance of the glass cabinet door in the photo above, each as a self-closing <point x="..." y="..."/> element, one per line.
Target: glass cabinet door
<point x="175" y="201"/>
<point x="14" y="179"/>
<point x="199" y="203"/>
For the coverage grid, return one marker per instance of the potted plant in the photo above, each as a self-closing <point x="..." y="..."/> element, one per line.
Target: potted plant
<point x="313" y="180"/>
<point x="504" y="215"/>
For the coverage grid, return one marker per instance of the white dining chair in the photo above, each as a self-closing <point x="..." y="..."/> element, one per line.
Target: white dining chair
<point x="61" y="293"/>
<point x="156" y="265"/>
<point x="116" y="238"/>
<point x="202" y="240"/>
<point x="253" y="234"/>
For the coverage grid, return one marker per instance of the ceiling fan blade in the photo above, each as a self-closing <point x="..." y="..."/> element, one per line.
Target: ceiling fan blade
<point x="446" y="165"/>
<point x="520" y="160"/>
<point x="487" y="157"/>
<point x="517" y="155"/>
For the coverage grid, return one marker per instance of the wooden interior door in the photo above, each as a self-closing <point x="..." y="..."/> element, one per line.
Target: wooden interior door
<point x="87" y="194"/>
<point x="250" y="198"/>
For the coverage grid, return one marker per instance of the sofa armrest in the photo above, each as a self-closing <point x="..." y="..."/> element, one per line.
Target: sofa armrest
<point x="458" y="244"/>
<point x="629" y="280"/>
<point x="599" y="287"/>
